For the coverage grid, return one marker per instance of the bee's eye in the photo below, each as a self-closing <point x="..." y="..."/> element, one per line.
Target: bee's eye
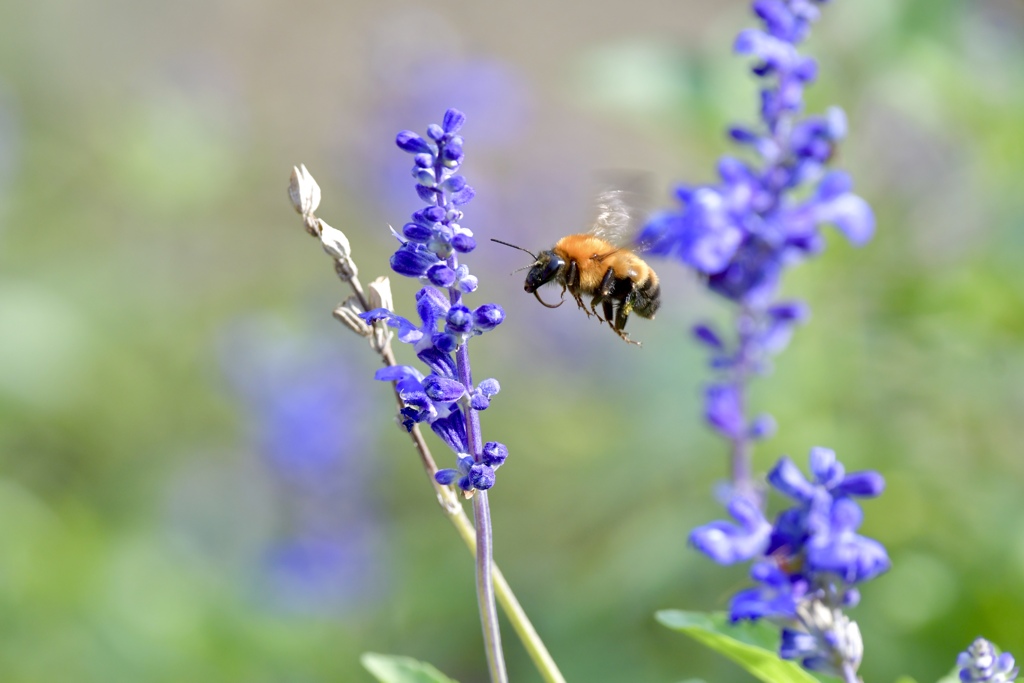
<point x="544" y="271"/>
<point x="550" y="269"/>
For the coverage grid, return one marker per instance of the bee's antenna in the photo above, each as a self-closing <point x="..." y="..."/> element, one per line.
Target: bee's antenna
<point x="515" y="247"/>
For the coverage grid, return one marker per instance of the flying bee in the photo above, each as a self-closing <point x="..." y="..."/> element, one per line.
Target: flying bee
<point x="595" y="264"/>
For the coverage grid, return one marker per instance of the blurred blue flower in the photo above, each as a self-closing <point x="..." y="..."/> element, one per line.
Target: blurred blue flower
<point x="728" y="543"/>
<point x="765" y="214"/>
<point x="812" y="558"/>
<point x="741" y="233"/>
<point x="306" y="420"/>
<point x="723" y="408"/>
<point x="981" y="664"/>
<point x="776" y="596"/>
<point x="315" y="573"/>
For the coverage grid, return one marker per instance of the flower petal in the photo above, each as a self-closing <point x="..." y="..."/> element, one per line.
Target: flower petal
<point x="723" y="409"/>
<point x="443" y="389"/>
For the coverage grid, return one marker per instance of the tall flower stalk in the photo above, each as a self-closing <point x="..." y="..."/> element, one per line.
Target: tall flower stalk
<point x="445" y="398"/>
<point x="765" y="214"/>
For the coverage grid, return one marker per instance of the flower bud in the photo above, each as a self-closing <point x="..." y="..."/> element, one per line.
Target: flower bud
<point x="348" y="314"/>
<point x="380" y="294"/>
<point x="441" y="275"/>
<point x="334" y="242"/>
<point x="481" y="477"/>
<point x="494" y="453"/>
<point x="453" y="120"/>
<point x="488" y="316"/>
<point x="435" y="132"/>
<point x="410" y="142"/>
<point x="303" y="191"/>
<point x="380" y="297"/>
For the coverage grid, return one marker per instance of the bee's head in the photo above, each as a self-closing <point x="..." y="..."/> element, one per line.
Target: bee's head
<point x="543" y="271"/>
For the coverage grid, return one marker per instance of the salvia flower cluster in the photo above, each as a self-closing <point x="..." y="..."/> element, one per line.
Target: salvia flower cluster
<point x="810" y="561"/>
<point x="980" y="663"/>
<point x="430" y="243"/>
<point x="764" y="214"/>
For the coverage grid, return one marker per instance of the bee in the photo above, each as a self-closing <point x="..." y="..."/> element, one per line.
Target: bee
<point x="595" y="264"/>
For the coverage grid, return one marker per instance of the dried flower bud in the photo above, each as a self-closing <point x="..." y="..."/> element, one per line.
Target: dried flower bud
<point x="380" y="297"/>
<point x="346" y="269"/>
<point x="334" y="242"/>
<point x="380" y="294"/>
<point x="303" y="190"/>
<point x="348" y="314"/>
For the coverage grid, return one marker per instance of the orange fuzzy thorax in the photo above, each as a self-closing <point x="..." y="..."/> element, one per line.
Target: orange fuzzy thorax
<point x="583" y="249"/>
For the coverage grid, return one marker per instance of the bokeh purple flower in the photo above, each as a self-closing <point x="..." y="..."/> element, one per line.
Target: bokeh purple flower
<point x="307" y="423"/>
<point x="764" y="214"/>
<point x="980" y="663"/>
<point x="811" y="559"/>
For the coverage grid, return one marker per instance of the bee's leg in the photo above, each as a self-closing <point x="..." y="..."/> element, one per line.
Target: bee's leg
<point x="621" y="315"/>
<point x="572" y="282"/>
<point x="609" y="312"/>
<point x="605" y="292"/>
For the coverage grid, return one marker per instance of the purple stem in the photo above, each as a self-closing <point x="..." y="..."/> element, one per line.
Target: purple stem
<point x="482" y="517"/>
<point x="742" y="451"/>
<point x="481" y="509"/>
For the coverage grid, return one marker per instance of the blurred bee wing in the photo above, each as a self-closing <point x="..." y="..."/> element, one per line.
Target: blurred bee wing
<point x="620" y="209"/>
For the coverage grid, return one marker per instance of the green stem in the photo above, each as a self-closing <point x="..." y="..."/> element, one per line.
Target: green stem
<point x="506" y="598"/>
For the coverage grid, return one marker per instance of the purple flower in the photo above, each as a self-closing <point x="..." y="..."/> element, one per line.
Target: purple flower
<point x="776" y="597"/>
<point x="435" y="229"/>
<point x="475" y="475"/>
<point x="413" y="260"/>
<point x="494" y="453"/>
<point x="817" y="535"/>
<point x="727" y="543"/>
<point x="480" y="398"/>
<point x="811" y="558"/>
<point x="430" y="245"/>
<point x="980" y="663"/>
<point x="422" y="401"/>
<point x="723" y="408"/>
<point x="452" y="430"/>
<point x="829" y="476"/>
<point x="824" y="640"/>
<point x="840" y="551"/>
<point x="764" y="214"/>
<point x="743" y="231"/>
<point x="306" y="421"/>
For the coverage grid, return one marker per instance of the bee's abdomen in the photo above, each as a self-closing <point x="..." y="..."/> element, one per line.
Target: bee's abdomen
<point x="647" y="297"/>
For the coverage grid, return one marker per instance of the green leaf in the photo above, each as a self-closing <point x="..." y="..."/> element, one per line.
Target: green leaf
<point x="397" y="669"/>
<point x="751" y="645"/>
<point x="908" y="679"/>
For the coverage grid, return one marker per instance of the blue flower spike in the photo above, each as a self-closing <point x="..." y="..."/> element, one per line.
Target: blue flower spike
<point x="766" y="212"/>
<point x="430" y="246"/>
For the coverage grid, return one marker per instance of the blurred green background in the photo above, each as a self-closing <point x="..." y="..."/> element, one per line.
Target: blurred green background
<point x="199" y="479"/>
